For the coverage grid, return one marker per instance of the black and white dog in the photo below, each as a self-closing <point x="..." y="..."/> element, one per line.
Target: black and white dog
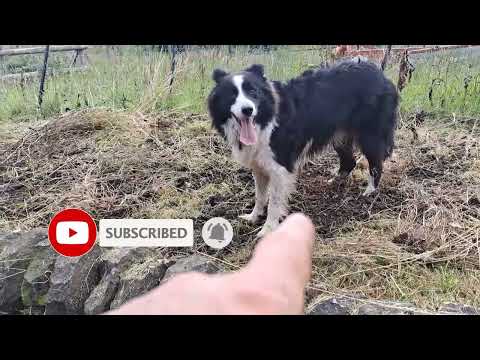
<point x="272" y="126"/>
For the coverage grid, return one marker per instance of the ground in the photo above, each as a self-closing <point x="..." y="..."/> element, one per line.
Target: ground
<point x="416" y="240"/>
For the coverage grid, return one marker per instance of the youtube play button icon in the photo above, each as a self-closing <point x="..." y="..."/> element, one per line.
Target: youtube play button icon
<point x="72" y="232"/>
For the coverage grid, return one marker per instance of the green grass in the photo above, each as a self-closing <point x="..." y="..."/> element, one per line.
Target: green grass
<point x="454" y="83"/>
<point x="362" y="259"/>
<point x="137" y="79"/>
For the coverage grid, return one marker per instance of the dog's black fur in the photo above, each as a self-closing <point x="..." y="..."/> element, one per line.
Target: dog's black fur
<point x="271" y="126"/>
<point x="352" y="98"/>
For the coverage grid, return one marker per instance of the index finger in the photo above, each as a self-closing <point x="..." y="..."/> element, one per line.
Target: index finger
<point x="284" y="257"/>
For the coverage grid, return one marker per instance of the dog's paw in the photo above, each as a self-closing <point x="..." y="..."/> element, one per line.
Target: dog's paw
<point x="338" y="179"/>
<point x="251" y="218"/>
<point x="368" y="191"/>
<point x="332" y="180"/>
<point x="266" y="229"/>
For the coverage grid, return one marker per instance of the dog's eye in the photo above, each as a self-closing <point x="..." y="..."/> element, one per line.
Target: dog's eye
<point x="233" y="94"/>
<point x="250" y="90"/>
<point x="247" y="87"/>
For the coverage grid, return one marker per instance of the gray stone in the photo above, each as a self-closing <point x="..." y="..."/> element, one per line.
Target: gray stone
<point x="389" y="308"/>
<point x="72" y="281"/>
<point x="36" y="280"/>
<point x="333" y="306"/>
<point x="17" y="251"/>
<point x="102" y="296"/>
<point x="139" y="279"/>
<point x="10" y="284"/>
<point x="458" y="309"/>
<point x="356" y="305"/>
<point x="17" y="245"/>
<point x="193" y="263"/>
<point x="122" y="258"/>
<point x="115" y="264"/>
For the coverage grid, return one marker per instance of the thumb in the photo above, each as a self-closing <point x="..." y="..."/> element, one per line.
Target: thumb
<point x="283" y="259"/>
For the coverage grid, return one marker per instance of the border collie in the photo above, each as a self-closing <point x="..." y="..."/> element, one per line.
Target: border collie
<point x="272" y="126"/>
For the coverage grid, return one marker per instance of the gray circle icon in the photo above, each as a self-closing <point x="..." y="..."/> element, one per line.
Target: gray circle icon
<point x="217" y="233"/>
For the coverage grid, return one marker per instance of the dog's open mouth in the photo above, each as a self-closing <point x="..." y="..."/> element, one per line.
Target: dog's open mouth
<point x="248" y="135"/>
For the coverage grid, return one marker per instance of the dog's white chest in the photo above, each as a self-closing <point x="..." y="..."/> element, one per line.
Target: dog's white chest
<point x="253" y="156"/>
<point x="245" y="156"/>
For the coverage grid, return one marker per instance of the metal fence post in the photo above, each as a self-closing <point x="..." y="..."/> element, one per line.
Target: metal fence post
<point x="173" y="50"/>
<point x="42" y="79"/>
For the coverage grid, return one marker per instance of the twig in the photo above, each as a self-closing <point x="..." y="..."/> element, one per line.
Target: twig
<point x="12" y="275"/>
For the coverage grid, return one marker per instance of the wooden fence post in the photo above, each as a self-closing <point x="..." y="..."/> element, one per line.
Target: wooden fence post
<point x="42" y="79"/>
<point x="385" y="57"/>
<point x="405" y="71"/>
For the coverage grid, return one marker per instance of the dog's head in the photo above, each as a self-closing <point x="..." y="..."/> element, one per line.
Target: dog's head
<point x="238" y="101"/>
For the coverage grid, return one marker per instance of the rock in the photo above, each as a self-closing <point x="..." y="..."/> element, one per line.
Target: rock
<point x="354" y="305"/>
<point x="17" y="251"/>
<point x="114" y="263"/>
<point x="71" y="282"/>
<point x="137" y="272"/>
<point x="36" y="280"/>
<point x="333" y="306"/>
<point x="122" y="258"/>
<point x="458" y="309"/>
<point x="139" y="279"/>
<point x="196" y="263"/>
<point x="10" y="298"/>
<point x="102" y="296"/>
<point x="17" y="245"/>
<point x="389" y="308"/>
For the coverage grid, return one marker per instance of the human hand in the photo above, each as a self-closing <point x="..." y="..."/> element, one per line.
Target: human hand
<point x="273" y="282"/>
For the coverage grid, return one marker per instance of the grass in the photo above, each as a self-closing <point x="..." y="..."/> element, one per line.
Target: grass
<point x="155" y="155"/>
<point x="443" y="84"/>
<point x="138" y="80"/>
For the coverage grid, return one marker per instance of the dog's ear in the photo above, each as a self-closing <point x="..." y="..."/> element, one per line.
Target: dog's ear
<point x="218" y="75"/>
<point x="257" y="69"/>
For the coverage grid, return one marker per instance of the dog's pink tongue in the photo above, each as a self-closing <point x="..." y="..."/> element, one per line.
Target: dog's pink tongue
<point x="248" y="135"/>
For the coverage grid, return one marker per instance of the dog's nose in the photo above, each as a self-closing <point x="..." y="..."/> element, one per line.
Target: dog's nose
<point x="247" y="111"/>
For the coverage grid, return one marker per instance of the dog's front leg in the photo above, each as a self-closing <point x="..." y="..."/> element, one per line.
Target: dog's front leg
<point x="282" y="184"/>
<point x="261" y="197"/>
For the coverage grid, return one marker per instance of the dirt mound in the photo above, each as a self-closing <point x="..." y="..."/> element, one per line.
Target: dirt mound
<point x="62" y="164"/>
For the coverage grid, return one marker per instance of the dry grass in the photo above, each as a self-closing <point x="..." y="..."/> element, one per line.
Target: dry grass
<point x="417" y="240"/>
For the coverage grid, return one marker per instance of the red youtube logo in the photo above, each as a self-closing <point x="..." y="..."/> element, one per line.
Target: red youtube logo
<point x="72" y="232"/>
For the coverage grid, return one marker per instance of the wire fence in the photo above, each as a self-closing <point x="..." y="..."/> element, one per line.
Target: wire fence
<point x="178" y="76"/>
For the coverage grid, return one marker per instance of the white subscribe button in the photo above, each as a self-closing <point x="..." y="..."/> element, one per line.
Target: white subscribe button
<point x="146" y="232"/>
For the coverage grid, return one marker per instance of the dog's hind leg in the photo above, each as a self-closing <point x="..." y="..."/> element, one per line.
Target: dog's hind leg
<point x="282" y="184"/>
<point x="261" y="197"/>
<point x="375" y="166"/>
<point x="343" y="145"/>
<point x="376" y="137"/>
<point x="374" y="150"/>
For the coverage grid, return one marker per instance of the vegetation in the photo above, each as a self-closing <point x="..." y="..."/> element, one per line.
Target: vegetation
<point x="118" y="141"/>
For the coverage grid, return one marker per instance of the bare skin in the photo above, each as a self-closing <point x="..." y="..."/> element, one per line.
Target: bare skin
<point x="273" y="282"/>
